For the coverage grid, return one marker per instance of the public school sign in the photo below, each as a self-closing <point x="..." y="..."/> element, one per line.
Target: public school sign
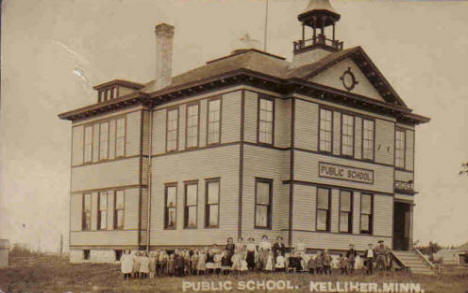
<point x="340" y="172"/>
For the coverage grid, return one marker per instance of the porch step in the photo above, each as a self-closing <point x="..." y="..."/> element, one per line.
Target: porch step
<point x="414" y="262"/>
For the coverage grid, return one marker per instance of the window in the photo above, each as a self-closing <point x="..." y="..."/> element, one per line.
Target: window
<point x="265" y="121"/>
<point x="214" y="121"/>
<point x="263" y="189"/>
<point x="323" y="209"/>
<point x="346" y="211"/>
<point x="326" y="132"/>
<point x="368" y="139"/>
<point x="120" y="138"/>
<point x="367" y="207"/>
<point x="172" y="130"/>
<point x="104" y="141"/>
<point x="192" y="126"/>
<point x="119" y="207"/>
<point x="86" y="254"/>
<point x="170" y="207"/>
<point x="86" y="216"/>
<point x="102" y="210"/>
<point x="400" y="148"/>
<point x="212" y="204"/>
<point x="88" y="144"/>
<point x="190" y="213"/>
<point x="347" y="135"/>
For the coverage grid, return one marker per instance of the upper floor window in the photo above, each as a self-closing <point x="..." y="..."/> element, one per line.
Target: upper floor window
<point x="88" y="144"/>
<point x="265" y="121"/>
<point x="214" y="121"/>
<point x="263" y="194"/>
<point x="86" y="212"/>
<point x="347" y="135"/>
<point x="346" y="211"/>
<point x="120" y="138"/>
<point x="104" y="141"/>
<point x="172" y="131"/>
<point x="119" y="208"/>
<point x="102" y="211"/>
<point x="190" y="213"/>
<point x="212" y="204"/>
<point x="400" y="148"/>
<point x="367" y="211"/>
<point x="326" y="130"/>
<point x="323" y="209"/>
<point x="170" y="208"/>
<point x="368" y="127"/>
<point x="192" y="125"/>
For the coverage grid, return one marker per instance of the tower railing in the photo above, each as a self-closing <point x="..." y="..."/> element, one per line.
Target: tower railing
<point x="318" y="40"/>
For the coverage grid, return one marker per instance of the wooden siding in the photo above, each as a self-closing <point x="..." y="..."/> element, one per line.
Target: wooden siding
<point x="132" y="208"/>
<point x="96" y="142"/>
<point x="250" y="122"/>
<point x="159" y="131"/>
<point x="409" y="163"/>
<point x="406" y="176"/>
<point x="321" y="240"/>
<point x="76" y="208"/>
<point x="77" y="145"/>
<point x="306" y="125"/>
<point x="358" y="138"/>
<point x="336" y="133"/>
<point x="305" y="197"/>
<point x="112" y="131"/>
<point x="203" y="120"/>
<point x="306" y="169"/>
<point x="385" y="137"/>
<point x="133" y="134"/>
<point x="145" y="132"/>
<point x="106" y="175"/>
<point x="231" y="118"/>
<point x="271" y="164"/>
<point x="222" y="163"/>
<point x="383" y="215"/>
<point x="331" y="78"/>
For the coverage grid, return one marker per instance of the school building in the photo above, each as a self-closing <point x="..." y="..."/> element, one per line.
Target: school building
<point x="319" y="150"/>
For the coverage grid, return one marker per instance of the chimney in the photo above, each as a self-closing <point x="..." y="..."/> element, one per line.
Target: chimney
<point x="164" y="41"/>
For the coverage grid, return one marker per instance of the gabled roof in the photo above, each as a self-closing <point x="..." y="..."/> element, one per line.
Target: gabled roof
<point x="121" y="82"/>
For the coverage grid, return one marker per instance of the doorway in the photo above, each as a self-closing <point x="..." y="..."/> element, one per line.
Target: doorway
<point x="401" y="226"/>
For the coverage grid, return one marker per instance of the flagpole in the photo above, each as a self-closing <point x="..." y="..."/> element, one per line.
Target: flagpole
<point x="266" y="27"/>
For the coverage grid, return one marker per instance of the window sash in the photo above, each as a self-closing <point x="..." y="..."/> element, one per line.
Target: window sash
<point x="172" y="129"/>
<point x="346" y="211"/>
<point x="326" y="130"/>
<point x="263" y="198"/>
<point x="191" y="198"/>
<point x="104" y="141"/>
<point x="214" y="121"/>
<point x="192" y="125"/>
<point x="86" y="215"/>
<point x="170" y="207"/>
<point x="88" y="144"/>
<point x="265" y="121"/>
<point x="120" y="137"/>
<point x="400" y="149"/>
<point x="212" y="204"/>
<point x="367" y="213"/>
<point x="323" y="209"/>
<point x="368" y="127"/>
<point x="347" y="135"/>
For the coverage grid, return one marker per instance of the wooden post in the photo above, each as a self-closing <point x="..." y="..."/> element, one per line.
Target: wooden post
<point x="333" y="32"/>
<point x="303" y="32"/>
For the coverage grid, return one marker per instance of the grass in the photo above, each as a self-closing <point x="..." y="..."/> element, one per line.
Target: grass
<point x="55" y="274"/>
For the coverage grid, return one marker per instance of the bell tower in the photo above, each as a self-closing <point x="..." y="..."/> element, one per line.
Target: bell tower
<point x="318" y="29"/>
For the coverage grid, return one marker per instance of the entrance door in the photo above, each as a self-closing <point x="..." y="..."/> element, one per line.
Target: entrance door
<point x="401" y="226"/>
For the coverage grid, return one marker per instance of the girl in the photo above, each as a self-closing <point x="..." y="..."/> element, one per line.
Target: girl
<point x="280" y="263"/>
<point x="319" y="263"/>
<point x="251" y="249"/>
<point x="225" y="263"/>
<point x="171" y="265"/>
<point x="136" y="265"/>
<point x="144" y="265"/>
<point x="162" y="263"/>
<point x="194" y="262"/>
<point x="264" y="249"/>
<point x="201" y="266"/>
<point x="152" y="265"/>
<point x="311" y="264"/>
<point x="243" y="266"/>
<point x="326" y="262"/>
<point x="269" y="261"/>
<point x="126" y="265"/>
<point x="230" y="247"/>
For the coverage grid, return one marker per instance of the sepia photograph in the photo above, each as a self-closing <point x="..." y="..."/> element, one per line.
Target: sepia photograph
<point x="233" y="146"/>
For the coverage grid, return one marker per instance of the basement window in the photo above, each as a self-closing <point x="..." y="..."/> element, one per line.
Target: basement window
<point x="86" y="254"/>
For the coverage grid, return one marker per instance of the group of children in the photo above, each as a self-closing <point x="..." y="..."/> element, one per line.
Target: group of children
<point x="237" y="257"/>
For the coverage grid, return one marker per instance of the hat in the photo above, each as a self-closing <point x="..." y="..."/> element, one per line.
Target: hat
<point x="380" y="241"/>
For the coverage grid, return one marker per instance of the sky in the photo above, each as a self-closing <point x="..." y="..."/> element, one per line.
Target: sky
<point x="54" y="51"/>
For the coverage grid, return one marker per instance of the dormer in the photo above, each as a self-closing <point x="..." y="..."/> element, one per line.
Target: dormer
<point x="116" y="88"/>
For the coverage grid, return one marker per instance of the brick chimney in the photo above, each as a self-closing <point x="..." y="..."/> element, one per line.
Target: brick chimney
<point x="164" y="42"/>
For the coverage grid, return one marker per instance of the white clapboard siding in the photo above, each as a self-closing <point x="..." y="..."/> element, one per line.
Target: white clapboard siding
<point x="385" y="138"/>
<point x="76" y="208"/>
<point x="133" y="134"/>
<point x="159" y="132"/>
<point x="111" y="238"/>
<point x="77" y="145"/>
<point x="358" y="137"/>
<point x="306" y="125"/>
<point x="282" y="130"/>
<point x="306" y="169"/>
<point x="250" y="116"/>
<point x="132" y="208"/>
<point x="231" y="117"/>
<point x="106" y="175"/>
<point x="409" y="150"/>
<point x="221" y="162"/>
<point x="406" y="176"/>
<point x="304" y="207"/>
<point x="336" y="133"/>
